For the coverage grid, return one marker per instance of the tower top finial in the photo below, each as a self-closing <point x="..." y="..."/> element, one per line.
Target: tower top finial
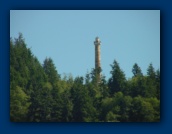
<point x="97" y="38"/>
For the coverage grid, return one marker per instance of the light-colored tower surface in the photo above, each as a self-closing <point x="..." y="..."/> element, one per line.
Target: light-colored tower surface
<point x="97" y="43"/>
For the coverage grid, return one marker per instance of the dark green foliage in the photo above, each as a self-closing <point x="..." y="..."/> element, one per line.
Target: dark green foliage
<point x="158" y="84"/>
<point x="83" y="109"/>
<point x="19" y="104"/>
<point x="39" y="94"/>
<point x="145" y="110"/>
<point x="118" y="81"/>
<point x="136" y="70"/>
<point x="151" y="71"/>
<point x="50" y="71"/>
<point x="67" y="107"/>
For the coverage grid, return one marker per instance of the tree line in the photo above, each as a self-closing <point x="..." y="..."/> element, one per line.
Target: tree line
<point x="38" y="93"/>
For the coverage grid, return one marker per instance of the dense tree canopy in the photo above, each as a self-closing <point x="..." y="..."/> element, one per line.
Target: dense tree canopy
<point x="39" y="94"/>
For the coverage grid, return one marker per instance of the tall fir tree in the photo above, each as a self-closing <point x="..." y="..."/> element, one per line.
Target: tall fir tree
<point x="117" y="82"/>
<point x="136" y="70"/>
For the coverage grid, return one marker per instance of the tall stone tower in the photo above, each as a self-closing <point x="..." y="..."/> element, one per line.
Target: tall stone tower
<point x="97" y="43"/>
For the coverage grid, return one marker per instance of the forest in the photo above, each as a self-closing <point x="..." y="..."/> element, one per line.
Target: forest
<point x="38" y="93"/>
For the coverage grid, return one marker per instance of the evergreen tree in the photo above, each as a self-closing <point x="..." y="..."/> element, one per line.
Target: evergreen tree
<point x="158" y="83"/>
<point x="67" y="107"/>
<point x="151" y="71"/>
<point x="83" y="109"/>
<point x="19" y="103"/>
<point x="151" y="90"/>
<point x="145" y="110"/>
<point x="50" y="71"/>
<point x="118" y="81"/>
<point x="136" y="70"/>
<point x="38" y="94"/>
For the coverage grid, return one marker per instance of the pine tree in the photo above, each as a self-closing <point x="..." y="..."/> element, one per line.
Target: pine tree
<point x="136" y="70"/>
<point x="151" y="71"/>
<point x="118" y="81"/>
<point x="83" y="109"/>
<point x="50" y="71"/>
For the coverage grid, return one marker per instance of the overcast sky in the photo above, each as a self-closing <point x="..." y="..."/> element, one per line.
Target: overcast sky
<point x="67" y="36"/>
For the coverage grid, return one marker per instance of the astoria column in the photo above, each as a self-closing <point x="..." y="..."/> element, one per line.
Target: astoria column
<point x="97" y="43"/>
